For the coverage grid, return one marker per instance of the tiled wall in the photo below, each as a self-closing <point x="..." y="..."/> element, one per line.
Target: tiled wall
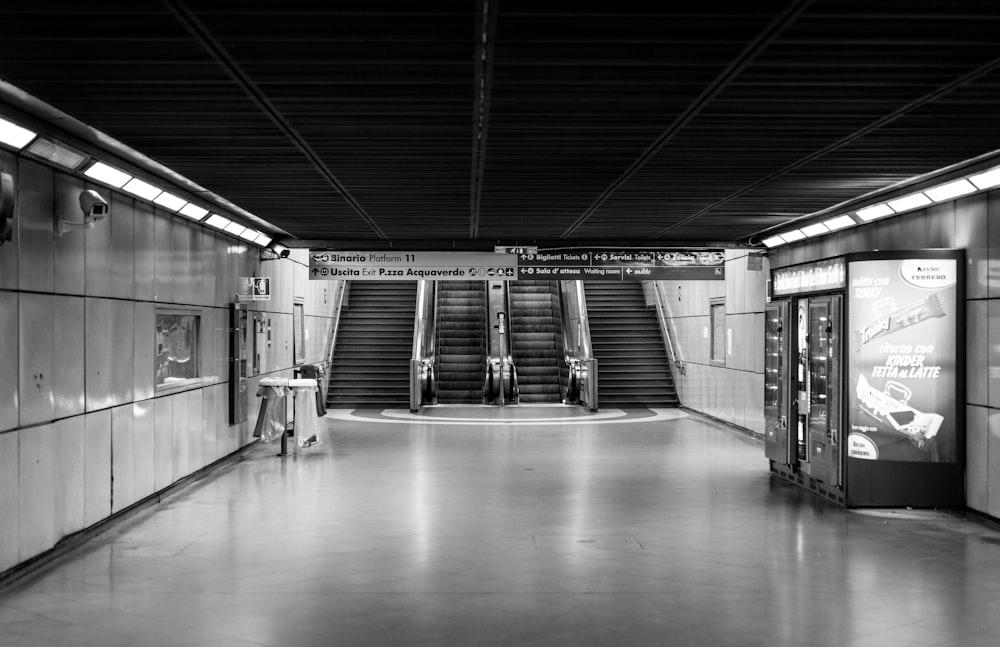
<point x="83" y="431"/>
<point x="731" y="390"/>
<point x="972" y="224"/>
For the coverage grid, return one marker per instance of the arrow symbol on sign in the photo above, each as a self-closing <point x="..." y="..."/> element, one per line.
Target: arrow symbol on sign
<point x="628" y="270"/>
<point x="315" y="271"/>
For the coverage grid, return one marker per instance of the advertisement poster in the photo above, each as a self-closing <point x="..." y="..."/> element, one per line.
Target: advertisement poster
<point x="901" y="359"/>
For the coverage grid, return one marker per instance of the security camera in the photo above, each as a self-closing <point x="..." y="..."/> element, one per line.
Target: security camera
<point x="93" y="205"/>
<point x="280" y="250"/>
<point x="94" y="208"/>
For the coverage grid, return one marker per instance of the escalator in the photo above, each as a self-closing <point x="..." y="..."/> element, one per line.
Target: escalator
<point x="536" y="340"/>
<point x="460" y="341"/>
<point x="372" y="355"/>
<point x="628" y="345"/>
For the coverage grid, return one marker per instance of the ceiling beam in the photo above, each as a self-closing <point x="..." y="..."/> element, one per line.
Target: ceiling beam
<point x="485" y="35"/>
<point x="242" y="79"/>
<point x="721" y="82"/>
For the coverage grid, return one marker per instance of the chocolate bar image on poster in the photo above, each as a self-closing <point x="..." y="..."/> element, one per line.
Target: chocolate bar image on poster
<point x="891" y="405"/>
<point x="898" y="319"/>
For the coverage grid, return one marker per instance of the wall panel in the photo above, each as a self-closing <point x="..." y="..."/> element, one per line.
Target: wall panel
<point x="972" y="236"/>
<point x="99" y="331"/>
<point x="163" y="268"/>
<point x="180" y="260"/>
<point x="97" y="470"/>
<point x="122" y="349"/>
<point x="35" y="216"/>
<point x="993" y="464"/>
<point x="977" y="372"/>
<point x="991" y="351"/>
<point x="144" y="334"/>
<point x="36" y="464"/>
<point x="212" y="424"/>
<point x="35" y="383"/>
<point x="10" y="529"/>
<point x="70" y="249"/>
<point x="68" y="379"/>
<point x="196" y="429"/>
<point x="145" y="250"/>
<point x="941" y="225"/>
<point x="122" y="223"/>
<point x="181" y="447"/>
<point x="98" y="241"/>
<point x="68" y="438"/>
<point x="9" y="376"/>
<point x="163" y="442"/>
<point x="122" y="457"/>
<point x="143" y="449"/>
<point x="990" y="273"/>
<point x="977" y="458"/>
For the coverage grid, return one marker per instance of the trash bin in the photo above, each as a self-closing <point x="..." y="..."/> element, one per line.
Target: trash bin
<point x="271" y="417"/>
<point x="315" y="372"/>
<point x="306" y="421"/>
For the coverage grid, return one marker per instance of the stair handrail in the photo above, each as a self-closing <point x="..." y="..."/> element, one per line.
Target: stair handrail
<point x="422" y="379"/>
<point x="663" y="316"/>
<point x="339" y="297"/>
<point x="508" y="371"/>
<point x="579" y="353"/>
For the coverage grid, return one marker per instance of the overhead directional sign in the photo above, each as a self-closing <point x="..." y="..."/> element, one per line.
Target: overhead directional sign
<point x="566" y="265"/>
<point x="624" y="265"/>
<point x="402" y="266"/>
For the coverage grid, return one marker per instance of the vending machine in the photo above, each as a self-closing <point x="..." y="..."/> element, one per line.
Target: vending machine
<point x="863" y="378"/>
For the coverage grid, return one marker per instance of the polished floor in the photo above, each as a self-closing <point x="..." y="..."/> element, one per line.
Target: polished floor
<point x="524" y="526"/>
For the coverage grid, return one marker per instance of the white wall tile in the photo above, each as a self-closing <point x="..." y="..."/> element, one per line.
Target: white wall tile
<point x="35" y="375"/>
<point x="122" y="457"/>
<point x="163" y="443"/>
<point x="36" y="487"/>
<point x="36" y="229"/>
<point x="97" y="470"/>
<point x="9" y="371"/>
<point x="977" y="359"/>
<point x="68" y="348"/>
<point x="69" y="437"/>
<point x="978" y="424"/>
<point x="98" y="353"/>
<point x="181" y="437"/>
<point x="10" y="529"/>
<point x="993" y="466"/>
<point x="143" y="449"/>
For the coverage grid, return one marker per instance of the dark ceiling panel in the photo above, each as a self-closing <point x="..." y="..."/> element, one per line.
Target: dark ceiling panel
<point x="364" y="121"/>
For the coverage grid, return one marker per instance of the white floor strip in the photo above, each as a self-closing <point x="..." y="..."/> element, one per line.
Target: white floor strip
<point x="405" y="417"/>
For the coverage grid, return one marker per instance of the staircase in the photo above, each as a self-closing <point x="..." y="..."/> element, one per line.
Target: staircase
<point x="460" y="341"/>
<point x="371" y="362"/>
<point x="632" y="366"/>
<point x="536" y="339"/>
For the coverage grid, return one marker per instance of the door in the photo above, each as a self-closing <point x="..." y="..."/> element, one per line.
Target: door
<point x="776" y="382"/>
<point x="822" y="388"/>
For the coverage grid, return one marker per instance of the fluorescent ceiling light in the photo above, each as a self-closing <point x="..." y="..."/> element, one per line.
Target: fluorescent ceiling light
<point x="833" y="224"/>
<point x="987" y="180"/>
<point x="773" y="241"/>
<point x="107" y="174"/>
<point x="217" y="221"/>
<point x="792" y="236"/>
<point x="143" y="189"/>
<point x="235" y="228"/>
<point x="57" y="153"/>
<point x="193" y="211"/>
<point x="169" y="200"/>
<point x="817" y="229"/>
<point x="263" y="240"/>
<point x="249" y="235"/>
<point x="14" y="135"/>
<point x="907" y="202"/>
<point x="878" y="211"/>
<point x="950" y="190"/>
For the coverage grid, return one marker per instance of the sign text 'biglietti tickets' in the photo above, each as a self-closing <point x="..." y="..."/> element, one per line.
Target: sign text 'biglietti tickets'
<point x="576" y="264"/>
